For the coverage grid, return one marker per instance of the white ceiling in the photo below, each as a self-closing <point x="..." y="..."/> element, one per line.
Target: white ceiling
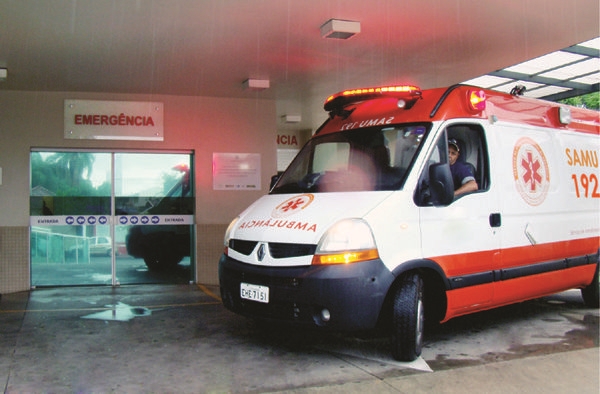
<point x="209" y="47"/>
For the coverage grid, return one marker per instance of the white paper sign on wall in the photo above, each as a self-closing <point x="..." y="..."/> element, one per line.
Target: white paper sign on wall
<point x="236" y="171"/>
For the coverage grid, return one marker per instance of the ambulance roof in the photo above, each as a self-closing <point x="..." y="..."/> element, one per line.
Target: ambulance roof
<point x="407" y="104"/>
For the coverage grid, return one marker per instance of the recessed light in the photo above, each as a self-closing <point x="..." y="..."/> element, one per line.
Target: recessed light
<point x="256" y="84"/>
<point x="341" y="29"/>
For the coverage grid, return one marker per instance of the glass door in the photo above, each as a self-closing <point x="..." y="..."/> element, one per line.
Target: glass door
<point x="70" y="206"/>
<point x="111" y="218"/>
<point x="154" y="217"/>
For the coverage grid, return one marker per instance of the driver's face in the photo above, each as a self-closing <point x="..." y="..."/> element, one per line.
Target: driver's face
<point x="452" y="154"/>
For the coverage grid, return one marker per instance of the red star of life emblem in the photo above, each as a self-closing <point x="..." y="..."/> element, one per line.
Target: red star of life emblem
<point x="532" y="167"/>
<point x="292" y="205"/>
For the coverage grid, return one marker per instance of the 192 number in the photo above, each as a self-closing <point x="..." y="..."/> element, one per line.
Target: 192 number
<point x="589" y="184"/>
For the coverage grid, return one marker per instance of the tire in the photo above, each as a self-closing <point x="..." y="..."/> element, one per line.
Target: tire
<point x="408" y="318"/>
<point x="591" y="293"/>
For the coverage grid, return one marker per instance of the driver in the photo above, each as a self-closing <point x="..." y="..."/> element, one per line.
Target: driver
<point x="462" y="176"/>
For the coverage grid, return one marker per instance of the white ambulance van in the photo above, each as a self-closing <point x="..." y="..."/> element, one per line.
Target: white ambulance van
<point x="363" y="229"/>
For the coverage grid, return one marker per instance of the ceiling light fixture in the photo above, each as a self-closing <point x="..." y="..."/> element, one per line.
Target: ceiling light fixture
<point x="256" y="84"/>
<point x="292" y="118"/>
<point x="337" y="28"/>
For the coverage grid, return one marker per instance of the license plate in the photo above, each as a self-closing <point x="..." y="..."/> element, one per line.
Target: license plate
<point x="254" y="292"/>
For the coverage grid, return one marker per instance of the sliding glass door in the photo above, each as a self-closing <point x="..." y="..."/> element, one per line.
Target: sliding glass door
<point x="111" y="218"/>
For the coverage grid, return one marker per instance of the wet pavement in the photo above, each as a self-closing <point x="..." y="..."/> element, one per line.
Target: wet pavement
<point x="180" y="339"/>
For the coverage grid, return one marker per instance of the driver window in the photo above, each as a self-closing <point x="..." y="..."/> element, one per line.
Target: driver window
<point x="469" y="141"/>
<point x="438" y="157"/>
<point x="468" y="161"/>
<point x="440" y="151"/>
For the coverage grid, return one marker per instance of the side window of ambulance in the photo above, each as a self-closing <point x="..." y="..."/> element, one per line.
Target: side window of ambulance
<point x="473" y="150"/>
<point x="440" y="152"/>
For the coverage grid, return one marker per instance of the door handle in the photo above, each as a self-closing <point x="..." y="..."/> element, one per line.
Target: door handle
<point x="495" y="219"/>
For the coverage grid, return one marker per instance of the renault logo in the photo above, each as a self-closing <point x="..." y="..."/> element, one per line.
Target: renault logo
<point x="261" y="252"/>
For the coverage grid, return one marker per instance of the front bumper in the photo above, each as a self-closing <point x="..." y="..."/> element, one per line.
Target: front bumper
<point x="353" y="294"/>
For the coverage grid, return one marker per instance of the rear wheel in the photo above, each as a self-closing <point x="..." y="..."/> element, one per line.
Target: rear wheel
<point x="591" y="293"/>
<point x="408" y="318"/>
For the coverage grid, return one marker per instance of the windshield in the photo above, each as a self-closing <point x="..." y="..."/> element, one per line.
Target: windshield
<point x="369" y="159"/>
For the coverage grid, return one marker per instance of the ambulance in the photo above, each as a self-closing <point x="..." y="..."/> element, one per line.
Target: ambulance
<point x="364" y="231"/>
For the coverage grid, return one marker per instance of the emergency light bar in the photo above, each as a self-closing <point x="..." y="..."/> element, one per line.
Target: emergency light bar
<point x="353" y="95"/>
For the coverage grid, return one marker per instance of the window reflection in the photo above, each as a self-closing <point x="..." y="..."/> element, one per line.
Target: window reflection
<point x="157" y="184"/>
<point x="70" y="183"/>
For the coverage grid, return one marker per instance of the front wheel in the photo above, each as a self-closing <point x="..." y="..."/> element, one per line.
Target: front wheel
<point x="408" y="318"/>
<point x="591" y="293"/>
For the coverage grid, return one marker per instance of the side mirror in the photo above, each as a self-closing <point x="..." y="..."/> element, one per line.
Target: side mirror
<point x="274" y="180"/>
<point x="441" y="184"/>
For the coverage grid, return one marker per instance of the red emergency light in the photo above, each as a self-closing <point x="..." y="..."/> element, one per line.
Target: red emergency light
<point x="477" y="100"/>
<point x="353" y="95"/>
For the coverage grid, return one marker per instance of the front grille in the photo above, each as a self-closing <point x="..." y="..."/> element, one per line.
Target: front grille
<point x="277" y="250"/>
<point x="283" y="250"/>
<point x="242" y="246"/>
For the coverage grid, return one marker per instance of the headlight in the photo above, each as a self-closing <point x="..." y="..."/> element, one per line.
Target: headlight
<point x="228" y="233"/>
<point x="348" y="241"/>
